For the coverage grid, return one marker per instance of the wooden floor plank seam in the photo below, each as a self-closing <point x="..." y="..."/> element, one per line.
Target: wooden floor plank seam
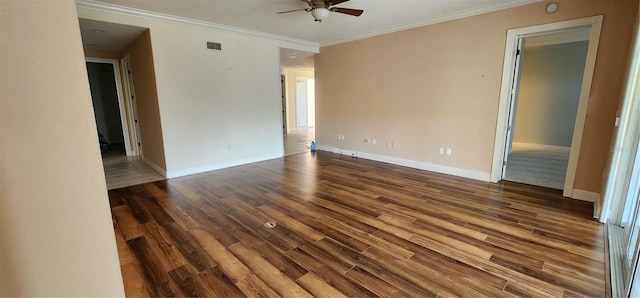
<point x="352" y="227"/>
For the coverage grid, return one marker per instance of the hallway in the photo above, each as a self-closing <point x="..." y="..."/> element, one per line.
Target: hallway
<point x="122" y="171"/>
<point x="298" y="142"/>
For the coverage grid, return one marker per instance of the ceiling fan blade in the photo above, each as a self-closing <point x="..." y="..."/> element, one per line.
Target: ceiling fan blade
<point x="292" y="10"/>
<point x="349" y="11"/>
<point x="333" y="2"/>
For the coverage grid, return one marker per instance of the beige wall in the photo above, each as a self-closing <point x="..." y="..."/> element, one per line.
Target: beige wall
<point x="439" y="86"/>
<point x="146" y="94"/>
<point x="56" y="234"/>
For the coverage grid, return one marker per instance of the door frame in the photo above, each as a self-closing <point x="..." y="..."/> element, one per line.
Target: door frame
<point x="303" y="79"/>
<point x="132" y="112"/>
<point x="513" y="35"/>
<point x="283" y="89"/>
<point x="628" y="128"/>
<point x="121" y="99"/>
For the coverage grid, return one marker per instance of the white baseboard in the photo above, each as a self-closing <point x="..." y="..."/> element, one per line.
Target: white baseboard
<point x="588" y="196"/>
<point x="584" y="195"/>
<point x="154" y="166"/>
<point x="540" y="147"/>
<point x="219" y="165"/>
<point x="410" y="163"/>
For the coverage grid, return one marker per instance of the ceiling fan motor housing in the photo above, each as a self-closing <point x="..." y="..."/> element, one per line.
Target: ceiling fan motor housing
<point x="320" y="13"/>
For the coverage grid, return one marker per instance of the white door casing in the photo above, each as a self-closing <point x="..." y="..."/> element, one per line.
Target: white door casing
<point x="507" y="87"/>
<point x="132" y="111"/>
<point x="120" y="94"/>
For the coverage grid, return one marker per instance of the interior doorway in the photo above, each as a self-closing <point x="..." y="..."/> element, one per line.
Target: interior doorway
<point x="298" y="100"/>
<point x="506" y="121"/>
<point x="298" y="138"/>
<point x="305" y="103"/>
<point x="545" y="105"/>
<point x="106" y="96"/>
<point x="116" y="122"/>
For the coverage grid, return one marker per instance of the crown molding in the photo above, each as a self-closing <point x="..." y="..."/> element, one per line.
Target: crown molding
<point x="435" y="20"/>
<point x="112" y="8"/>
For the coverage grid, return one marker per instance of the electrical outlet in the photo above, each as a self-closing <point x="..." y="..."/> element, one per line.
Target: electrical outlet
<point x="449" y="151"/>
<point x="373" y="141"/>
<point x="441" y="151"/>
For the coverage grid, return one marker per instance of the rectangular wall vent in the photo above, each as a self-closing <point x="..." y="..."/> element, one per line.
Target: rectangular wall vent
<point x="214" y="46"/>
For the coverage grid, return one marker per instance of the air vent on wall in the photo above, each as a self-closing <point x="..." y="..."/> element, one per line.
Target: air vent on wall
<point x="214" y="46"/>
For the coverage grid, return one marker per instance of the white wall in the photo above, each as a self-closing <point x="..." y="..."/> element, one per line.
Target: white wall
<point x="56" y="233"/>
<point x="217" y="108"/>
<point x="549" y="92"/>
<point x="311" y="102"/>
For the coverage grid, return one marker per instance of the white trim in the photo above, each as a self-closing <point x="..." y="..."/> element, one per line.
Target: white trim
<point x="502" y="122"/>
<point x="589" y="196"/>
<point x="107" y="7"/>
<point x="583" y="103"/>
<point x="530" y="146"/>
<point x="155" y="167"/>
<point x="132" y="111"/>
<point x="121" y="99"/>
<point x="220" y="165"/>
<point x="410" y="163"/>
<point x="622" y="149"/>
<point x="584" y="195"/>
<point x="505" y="94"/>
<point x="435" y="20"/>
<point x="554" y="39"/>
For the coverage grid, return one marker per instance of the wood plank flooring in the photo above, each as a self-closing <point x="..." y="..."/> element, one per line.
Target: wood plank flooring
<point x="352" y="227"/>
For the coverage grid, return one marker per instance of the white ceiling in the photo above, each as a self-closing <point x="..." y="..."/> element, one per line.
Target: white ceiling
<point x="290" y="58"/>
<point x="107" y="36"/>
<point x="380" y="16"/>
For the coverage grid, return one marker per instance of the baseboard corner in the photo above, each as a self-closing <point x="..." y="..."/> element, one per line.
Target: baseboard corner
<point x="155" y="167"/>
<point x="584" y="195"/>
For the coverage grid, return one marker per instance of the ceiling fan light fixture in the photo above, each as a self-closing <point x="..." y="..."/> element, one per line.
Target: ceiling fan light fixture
<point x="320" y="13"/>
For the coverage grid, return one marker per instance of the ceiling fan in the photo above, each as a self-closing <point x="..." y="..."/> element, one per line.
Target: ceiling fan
<point x="320" y="9"/>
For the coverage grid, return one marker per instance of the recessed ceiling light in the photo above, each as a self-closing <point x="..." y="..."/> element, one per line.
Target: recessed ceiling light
<point x="552" y="7"/>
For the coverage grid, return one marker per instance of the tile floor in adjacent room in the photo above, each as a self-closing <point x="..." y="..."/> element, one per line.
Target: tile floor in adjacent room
<point x="299" y="141"/>
<point x="121" y="170"/>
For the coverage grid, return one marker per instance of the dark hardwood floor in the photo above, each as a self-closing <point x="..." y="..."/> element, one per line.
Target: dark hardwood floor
<point x="353" y="227"/>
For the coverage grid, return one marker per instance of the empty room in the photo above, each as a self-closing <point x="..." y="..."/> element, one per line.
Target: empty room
<point x="196" y="174"/>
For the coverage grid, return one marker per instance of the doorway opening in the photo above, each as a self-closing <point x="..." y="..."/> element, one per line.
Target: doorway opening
<point x="545" y="104"/>
<point x="116" y="120"/>
<point x="298" y="100"/>
<point x="108" y="106"/>
<point x="532" y="133"/>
